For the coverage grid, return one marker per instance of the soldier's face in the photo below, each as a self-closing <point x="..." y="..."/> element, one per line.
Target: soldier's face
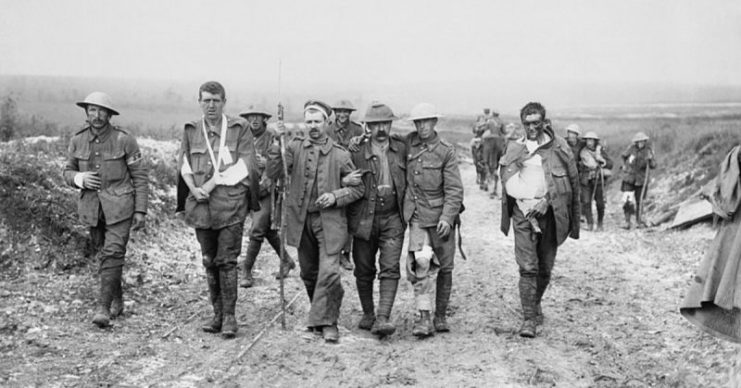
<point x="380" y="131"/>
<point x="212" y="106"/>
<point x="343" y="115"/>
<point x="315" y="123"/>
<point x="533" y="124"/>
<point x="425" y="127"/>
<point x="97" y="116"/>
<point x="572" y="137"/>
<point x="641" y="144"/>
<point x="256" y="122"/>
<point x="591" y="144"/>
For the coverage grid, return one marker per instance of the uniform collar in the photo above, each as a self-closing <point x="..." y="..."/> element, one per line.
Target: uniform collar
<point x="324" y="148"/>
<point x="431" y="143"/>
<point x="102" y="135"/>
<point x="368" y="148"/>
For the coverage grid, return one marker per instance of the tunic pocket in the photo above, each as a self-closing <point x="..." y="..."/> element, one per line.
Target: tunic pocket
<point x="114" y="165"/>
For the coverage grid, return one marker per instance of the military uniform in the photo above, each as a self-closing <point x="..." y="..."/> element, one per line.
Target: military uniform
<point x="319" y="234"/>
<point x="343" y="135"/>
<point x="591" y="177"/>
<point x="477" y="155"/>
<point x="636" y="161"/>
<point x="219" y="220"/>
<point x="494" y="146"/>
<point x="537" y="239"/>
<point x="434" y="193"/>
<point x="108" y="211"/>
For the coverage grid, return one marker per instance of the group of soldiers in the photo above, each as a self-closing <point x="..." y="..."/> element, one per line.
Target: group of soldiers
<point x="343" y="188"/>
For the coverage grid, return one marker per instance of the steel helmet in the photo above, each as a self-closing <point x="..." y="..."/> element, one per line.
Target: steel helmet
<point x="573" y="128"/>
<point x="591" y="135"/>
<point x="423" y="110"/>
<point x="343" y="104"/>
<point x="255" y="109"/>
<point x="640" y="136"/>
<point x="99" y="99"/>
<point x="378" y="112"/>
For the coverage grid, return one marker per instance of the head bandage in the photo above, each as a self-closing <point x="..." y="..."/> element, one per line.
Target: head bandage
<point x="314" y="107"/>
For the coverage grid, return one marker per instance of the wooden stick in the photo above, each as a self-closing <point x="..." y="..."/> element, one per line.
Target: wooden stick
<point x="190" y="318"/>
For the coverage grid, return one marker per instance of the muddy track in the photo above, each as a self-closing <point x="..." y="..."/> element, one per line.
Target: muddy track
<point x="611" y="320"/>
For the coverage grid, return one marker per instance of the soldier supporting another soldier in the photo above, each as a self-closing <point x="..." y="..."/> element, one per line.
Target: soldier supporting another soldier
<point x="540" y="199"/>
<point x="342" y="130"/>
<point x="376" y="220"/>
<point x="432" y="203"/>
<point x="315" y="214"/>
<point x="219" y="167"/>
<point x="594" y="166"/>
<point x="494" y="146"/>
<point x="105" y="163"/>
<point x="637" y="159"/>
<point x="261" y="229"/>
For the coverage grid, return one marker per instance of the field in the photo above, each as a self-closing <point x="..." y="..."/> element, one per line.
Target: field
<point x="611" y="313"/>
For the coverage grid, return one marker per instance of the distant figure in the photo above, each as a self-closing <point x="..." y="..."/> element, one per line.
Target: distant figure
<point x="105" y="163"/>
<point x="260" y="230"/>
<point x="540" y="200"/>
<point x="479" y="161"/>
<point x="489" y="121"/>
<point x="494" y="147"/>
<point x="573" y="138"/>
<point x="432" y="203"/>
<point x="594" y="167"/>
<point x="713" y="302"/>
<point x="342" y="130"/>
<point x="218" y="164"/>
<point x="315" y="213"/>
<point x="637" y="159"/>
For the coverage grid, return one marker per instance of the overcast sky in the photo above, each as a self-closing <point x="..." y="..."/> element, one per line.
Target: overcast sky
<point x="450" y="50"/>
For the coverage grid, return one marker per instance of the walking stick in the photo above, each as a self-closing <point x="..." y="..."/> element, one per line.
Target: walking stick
<point x="643" y="191"/>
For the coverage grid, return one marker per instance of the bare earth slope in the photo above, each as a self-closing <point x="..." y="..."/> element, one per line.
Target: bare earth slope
<point x="611" y="320"/>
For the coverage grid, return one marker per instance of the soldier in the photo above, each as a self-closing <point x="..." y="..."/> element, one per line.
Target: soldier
<point x="494" y="145"/>
<point x="219" y="166"/>
<point x="573" y="138"/>
<point x="432" y="203"/>
<point x="105" y="163"/>
<point x="376" y="220"/>
<point x="637" y="159"/>
<point x="315" y="218"/>
<point x="594" y="167"/>
<point x="540" y="198"/>
<point x="342" y="130"/>
<point x="477" y="155"/>
<point x="261" y="229"/>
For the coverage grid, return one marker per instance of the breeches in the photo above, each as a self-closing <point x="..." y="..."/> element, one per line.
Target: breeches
<point x="220" y="248"/>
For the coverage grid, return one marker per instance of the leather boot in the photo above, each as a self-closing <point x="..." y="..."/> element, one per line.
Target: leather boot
<point x="442" y="297"/>
<point x="286" y="262"/>
<point x="423" y="326"/>
<point x="214" y="293"/>
<point x="228" y="281"/>
<point x="383" y="325"/>
<point x="600" y="218"/>
<point x="107" y="277"/>
<point x="253" y="248"/>
<point x="542" y="285"/>
<point x="117" y="305"/>
<point x="627" y="222"/>
<point x="528" y="295"/>
<point x="365" y="293"/>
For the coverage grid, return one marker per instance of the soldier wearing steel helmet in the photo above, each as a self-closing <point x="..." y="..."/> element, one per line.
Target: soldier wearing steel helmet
<point x="376" y="220"/>
<point x="257" y="118"/>
<point x="105" y="163"/>
<point x="637" y="159"/>
<point x="342" y="130"/>
<point x="432" y="203"/>
<point x="594" y="167"/>
<point x="574" y="139"/>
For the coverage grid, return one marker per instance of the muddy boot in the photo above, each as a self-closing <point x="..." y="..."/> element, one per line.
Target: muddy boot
<point x="345" y="260"/>
<point x="383" y="325"/>
<point x="107" y="278"/>
<point x="330" y="333"/>
<point x="365" y="293"/>
<point x="528" y="295"/>
<point x="542" y="285"/>
<point x="442" y="297"/>
<point x="286" y="263"/>
<point x="600" y="218"/>
<point x="249" y="261"/>
<point x="228" y="282"/>
<point x="117" y="305"/>
<point x="214" y="294"/>
<point x="423" y="326"/>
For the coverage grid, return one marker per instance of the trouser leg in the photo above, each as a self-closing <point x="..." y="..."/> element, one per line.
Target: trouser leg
<point x="327" y="292"/>
<point x="286" y="262"/>
<point x="253" y="249"/>
<point x="110" y="243"/>
<point x="228" y="249"/>
<point x="586" y="203"/>
<point x="208" y="239"/>
<point x="364" y="256"/>
<point x="599" y="198"/>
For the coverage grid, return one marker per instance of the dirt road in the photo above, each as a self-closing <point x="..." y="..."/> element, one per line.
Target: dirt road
<point x="611" y="320"/>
